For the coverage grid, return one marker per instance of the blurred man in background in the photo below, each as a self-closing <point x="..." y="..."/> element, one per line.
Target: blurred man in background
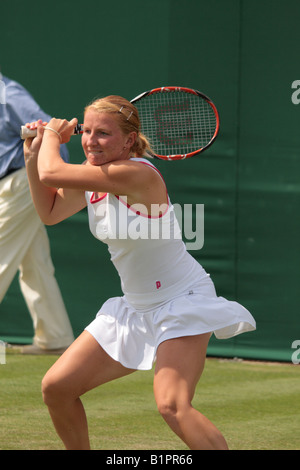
<point x="24" y="243"/>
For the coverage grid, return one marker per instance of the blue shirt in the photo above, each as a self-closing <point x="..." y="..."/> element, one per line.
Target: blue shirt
<point x="17" y="107"/>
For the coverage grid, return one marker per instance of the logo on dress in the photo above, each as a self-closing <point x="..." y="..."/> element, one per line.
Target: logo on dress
<point x="158" y="284"/>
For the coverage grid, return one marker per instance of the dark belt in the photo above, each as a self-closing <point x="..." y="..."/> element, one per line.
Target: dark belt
<point x="9" y="172"/>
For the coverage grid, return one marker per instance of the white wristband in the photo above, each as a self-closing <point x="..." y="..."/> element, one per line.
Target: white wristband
<point x="53" y="130"/>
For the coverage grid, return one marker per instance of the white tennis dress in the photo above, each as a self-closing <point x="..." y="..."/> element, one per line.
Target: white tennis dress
<point x="167" y="293"/>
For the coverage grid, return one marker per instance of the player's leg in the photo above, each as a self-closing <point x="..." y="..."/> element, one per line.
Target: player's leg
<point x="179" y="365"/>
<point x="84" y="366"/>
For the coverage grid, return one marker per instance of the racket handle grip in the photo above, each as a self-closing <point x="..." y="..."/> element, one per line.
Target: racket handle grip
<point x="25" y="133"/>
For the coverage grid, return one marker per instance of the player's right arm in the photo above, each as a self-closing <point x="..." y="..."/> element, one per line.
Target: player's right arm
<point x="52" y="204"/>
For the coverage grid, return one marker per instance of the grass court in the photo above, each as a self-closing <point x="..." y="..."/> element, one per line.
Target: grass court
<point x="254" y="404"/>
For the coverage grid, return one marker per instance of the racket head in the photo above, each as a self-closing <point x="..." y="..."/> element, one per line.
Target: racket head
<point x="179" y="122"/>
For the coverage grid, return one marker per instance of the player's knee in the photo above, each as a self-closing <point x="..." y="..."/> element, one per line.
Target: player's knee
<point x="51" y="390"/>
<point x="167" y="408"/>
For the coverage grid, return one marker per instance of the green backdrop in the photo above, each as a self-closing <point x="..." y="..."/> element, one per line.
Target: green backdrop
<point x="241" y="53"/>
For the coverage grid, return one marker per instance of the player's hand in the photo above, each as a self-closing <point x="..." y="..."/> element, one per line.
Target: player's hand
<point x="32" y="145"/>
<point x="64" y="128"/>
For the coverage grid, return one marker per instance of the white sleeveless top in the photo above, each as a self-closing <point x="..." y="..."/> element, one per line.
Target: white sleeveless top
<point x="148" y="252"/>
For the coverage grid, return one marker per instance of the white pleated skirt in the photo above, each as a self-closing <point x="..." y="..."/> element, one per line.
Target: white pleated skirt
<point x="132" y="335"/>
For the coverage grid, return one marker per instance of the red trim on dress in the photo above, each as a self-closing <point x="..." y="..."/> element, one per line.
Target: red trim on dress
<point x="93" y="201"/>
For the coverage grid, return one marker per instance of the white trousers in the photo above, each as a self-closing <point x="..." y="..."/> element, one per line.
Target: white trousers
<point x="24" y="246"/>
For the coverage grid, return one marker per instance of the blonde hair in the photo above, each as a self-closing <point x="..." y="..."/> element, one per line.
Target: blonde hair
<point x="127" y="117"/>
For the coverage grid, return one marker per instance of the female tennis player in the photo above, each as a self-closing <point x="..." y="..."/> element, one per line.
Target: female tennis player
<point x="169" y="309"/>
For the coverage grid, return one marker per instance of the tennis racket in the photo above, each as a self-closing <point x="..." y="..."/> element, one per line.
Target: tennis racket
<point x="179" y="122"/>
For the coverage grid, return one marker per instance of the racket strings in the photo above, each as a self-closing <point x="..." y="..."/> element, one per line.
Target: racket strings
<point x="177" y="122"/>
